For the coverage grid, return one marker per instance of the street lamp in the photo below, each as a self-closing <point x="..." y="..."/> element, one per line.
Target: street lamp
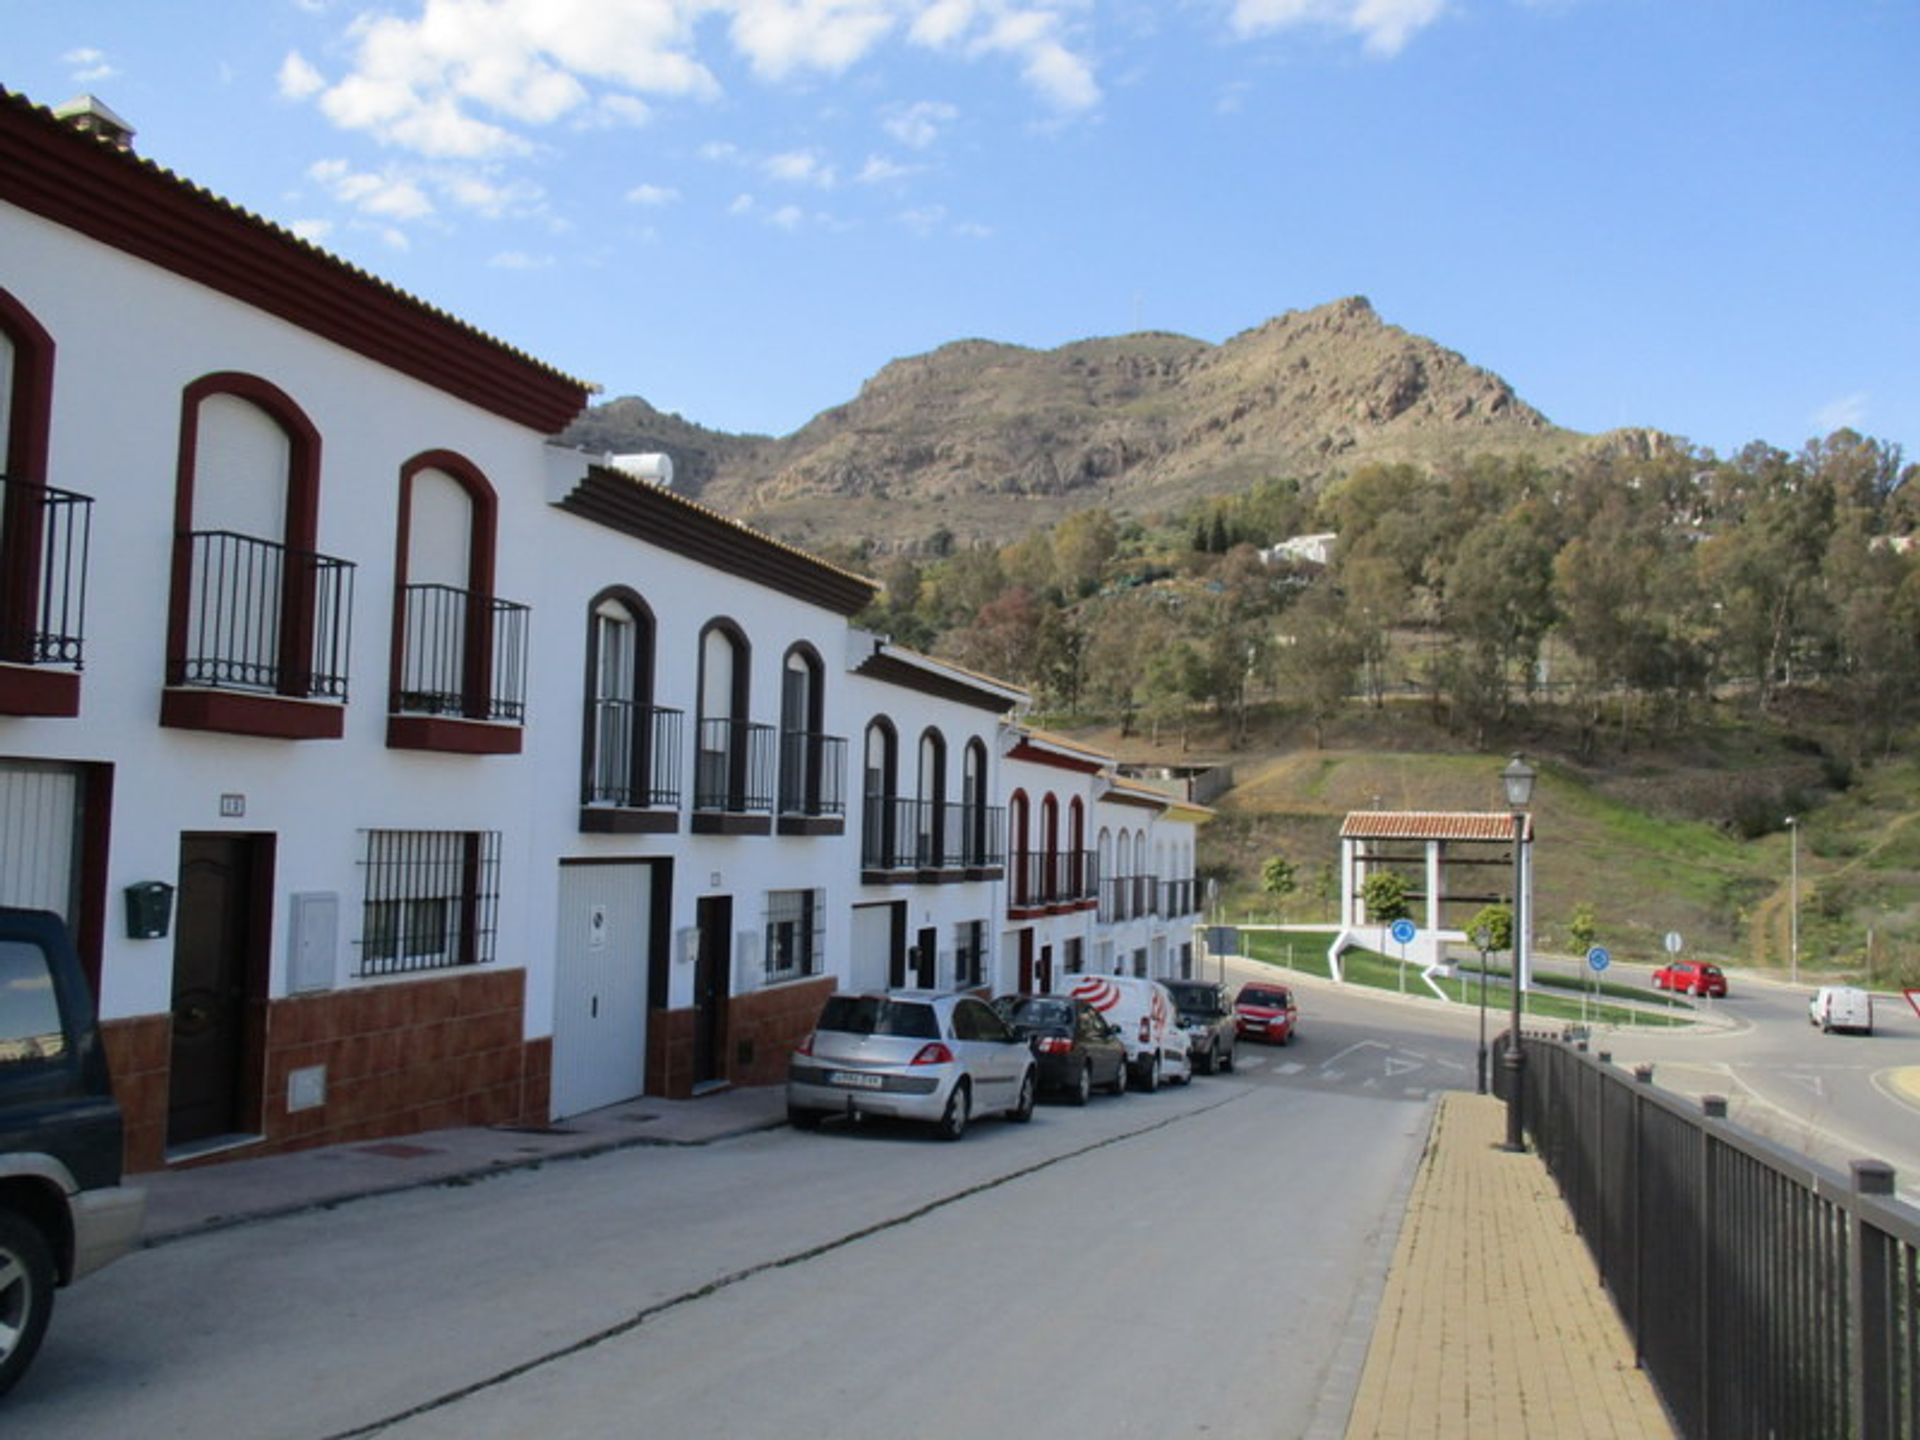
<point x="1793" y="900"/>
<point x="1483" y="942"/>
<point x="1518" y="780"/>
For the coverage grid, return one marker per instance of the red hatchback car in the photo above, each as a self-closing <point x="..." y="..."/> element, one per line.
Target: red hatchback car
<point x="1265" y="1012"/>
<point x="1691" y="977"/>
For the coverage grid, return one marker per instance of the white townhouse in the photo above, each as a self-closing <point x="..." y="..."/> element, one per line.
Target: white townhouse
<point x="399" y="768"/>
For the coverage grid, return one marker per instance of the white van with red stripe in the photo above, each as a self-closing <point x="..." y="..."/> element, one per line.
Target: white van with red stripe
<point x="1144" y="1013"/>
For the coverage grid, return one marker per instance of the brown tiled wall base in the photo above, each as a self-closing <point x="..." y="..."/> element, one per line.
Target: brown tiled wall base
<point x="761" y="1029"/>
<point x="399" y="1058"/>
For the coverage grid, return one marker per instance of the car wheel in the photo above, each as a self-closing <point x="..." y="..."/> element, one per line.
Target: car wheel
<point x="1119" y="1086"/>
<point x="26" y="1295"/>
<point x="1150" y="1078"/>
<point x="804" y="1119"/>
<point x="1082" y="1085"/>
<point x="953" y="1124"/>
<point x="1226" y="1060"/>
<point x="1286" y="1037"/>
<point x="1023" y="1107"/>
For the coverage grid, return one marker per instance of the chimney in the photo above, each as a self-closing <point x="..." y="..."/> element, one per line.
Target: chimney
<point x="90" y="116"/>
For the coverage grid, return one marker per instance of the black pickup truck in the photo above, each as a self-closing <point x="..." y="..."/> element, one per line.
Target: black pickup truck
<point x="63" y="1210"/>
<point x="1206" y="1015"/>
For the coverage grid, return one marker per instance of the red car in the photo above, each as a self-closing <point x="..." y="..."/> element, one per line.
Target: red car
<point x="1693" y="977"/>
<point x="1265" y="1012"/>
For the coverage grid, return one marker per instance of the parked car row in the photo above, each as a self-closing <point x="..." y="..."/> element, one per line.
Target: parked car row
<point x="946" y="1059"/>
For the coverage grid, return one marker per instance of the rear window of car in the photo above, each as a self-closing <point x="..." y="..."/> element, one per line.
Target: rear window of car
<point x="875" y="1015"/>
<point x="1036" y="1012"/>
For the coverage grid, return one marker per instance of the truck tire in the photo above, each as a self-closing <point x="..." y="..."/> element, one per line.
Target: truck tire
<point x="26" y="1295"/>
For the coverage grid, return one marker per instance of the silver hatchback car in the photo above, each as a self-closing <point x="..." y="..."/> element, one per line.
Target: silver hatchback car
<point x="912" y="1055"/>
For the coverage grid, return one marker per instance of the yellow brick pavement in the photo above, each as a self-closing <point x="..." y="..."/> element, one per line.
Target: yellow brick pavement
<point x="1494" y="1323"/>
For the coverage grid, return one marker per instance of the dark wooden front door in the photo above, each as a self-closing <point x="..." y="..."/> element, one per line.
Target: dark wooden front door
<point x="927" y="952"/>
<point x="712" y="986"/>
<point x="1026" y="962"/>
<point x="214" y="940"/>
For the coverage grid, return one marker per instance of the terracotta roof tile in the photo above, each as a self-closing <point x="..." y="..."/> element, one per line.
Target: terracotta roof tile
<point x="1430" y="825"/>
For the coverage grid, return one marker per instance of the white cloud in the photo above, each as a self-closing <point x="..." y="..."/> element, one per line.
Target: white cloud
<point x="89" y="65"/>
<point x="390" y="195"/>
<point x="788" y="217"/>
<point x="312" y="231"/>
<point x="923" y="220"/>
<point x="879" y="170"/>
<point x="1849" y="412"/>
<point x="298" y="79"/>
<point x="395" y="239"/>
<point x="918" y="125"/>
<point x="519" y="260"/>
<point x="719" y="150"/>
<point x="1384" y="26"/>
<point x="743" y="204"/>
<point x="653" y="195"/>
<point x="486" y="195"/>
<point x="471" y="79"/>
<point x="801" y="167"/>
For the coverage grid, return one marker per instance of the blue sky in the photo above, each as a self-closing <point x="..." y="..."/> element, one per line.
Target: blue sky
<point x="1697" y="215"/>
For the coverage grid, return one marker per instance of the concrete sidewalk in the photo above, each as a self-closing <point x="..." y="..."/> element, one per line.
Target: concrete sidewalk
<point x="1494" y="1323"/>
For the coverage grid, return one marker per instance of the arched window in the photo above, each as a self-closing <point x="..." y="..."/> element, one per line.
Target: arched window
<point x="458" y="651"/>
<point x="1051" y="881"/>
<point x="976" y="829"/>
<point x="630" y="749"/>
<point x="1109" y="884"/>
<point x="253" y="607"/>
<point x="1077" y="850"/>
<point x="732" y="757"/>
<point x="43" y="531"/>
<point x="878" y="848"/>
<point x="1020" y="850"/>
<point x="809" y="776"/>
<point x="930" y="809"/>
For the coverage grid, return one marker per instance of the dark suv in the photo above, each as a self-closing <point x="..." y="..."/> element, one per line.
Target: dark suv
<point x="63" y="1210"/>
<point x="1206" y="1015"/>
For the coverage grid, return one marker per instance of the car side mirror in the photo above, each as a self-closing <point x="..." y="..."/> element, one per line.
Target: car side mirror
<point x="1113" y="1032"/>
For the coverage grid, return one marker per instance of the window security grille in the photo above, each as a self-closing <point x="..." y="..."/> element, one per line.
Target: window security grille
<point x="796" y="933"/>
<point x="969" y="954"/>
<point x="1073" y="960"/>
<point x="432" y="898"/>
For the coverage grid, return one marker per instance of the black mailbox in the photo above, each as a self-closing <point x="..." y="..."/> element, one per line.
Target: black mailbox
<point x="149" y="909"/>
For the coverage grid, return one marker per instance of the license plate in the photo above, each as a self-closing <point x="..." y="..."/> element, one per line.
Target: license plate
<point x="855" y="1079"/>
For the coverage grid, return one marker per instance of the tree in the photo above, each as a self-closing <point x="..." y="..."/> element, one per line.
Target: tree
<point x="1497" y="921"/>
<point x="1385" y="894"/>
<point x="1083" y="544"/>
<point x="1318" y="655"/>
<point x="1277" y="879"/>
<point x="1582" y="927"/>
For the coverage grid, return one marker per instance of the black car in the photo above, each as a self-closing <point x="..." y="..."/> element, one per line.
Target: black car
<point x="63" y="1210"/>
<point x="1206" y="1015"/>
<point x="1076" y="1047"/>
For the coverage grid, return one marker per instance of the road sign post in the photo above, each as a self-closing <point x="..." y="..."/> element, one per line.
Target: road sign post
<point x="1597" y="960"/>
<point x="1403" y="933"/>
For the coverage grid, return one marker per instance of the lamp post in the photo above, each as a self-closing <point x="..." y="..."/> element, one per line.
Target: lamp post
<point x="1793" y="899"/>
<point x="1482" y="941"/>
<point x="1518" y="780"/>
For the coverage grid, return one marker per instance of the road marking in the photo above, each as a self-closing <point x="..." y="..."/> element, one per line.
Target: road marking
<point x="1401" y="1067"/>
<point x="1291" y="1067"/>
<point x="1248" y="1062"/>
<point x="1812" y="1082"/>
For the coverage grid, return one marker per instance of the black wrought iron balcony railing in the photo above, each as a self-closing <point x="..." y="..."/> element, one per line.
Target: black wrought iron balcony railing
<point x="1129" y="897"/>
<point x="263" y="618"/>
<point x="1062" y="877"/>
<point x="931" y="835"/>
<point x="636" y="756"/>
<point x="1178" y="897"/>
<point x="462" y="654"/>
<point x="44" y="538"/>
<point x="813" y="774"/>
<point x="733" y="767"/>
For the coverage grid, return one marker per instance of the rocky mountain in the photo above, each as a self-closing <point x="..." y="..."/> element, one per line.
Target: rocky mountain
<point x="987" y="441"/>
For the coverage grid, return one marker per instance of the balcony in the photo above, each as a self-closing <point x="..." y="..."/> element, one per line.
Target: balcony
<point x="258" y="638"/>
<point x="633" y="782"/>
<point x="733" y="778"/>
<point x="813" y="784"/>
<point x="1179" y="897"/>
<point x="1129" y="897"/>
<point x="931" y="841"/>
<point x="460" y="672"/>
<point x="44" y="538"/>
<point x="1060" y="880"/>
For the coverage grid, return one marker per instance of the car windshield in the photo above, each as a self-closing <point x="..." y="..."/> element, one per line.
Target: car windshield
<point x="1196" y="1001"/>
<point x="1271" y="998"/>
<point x="1029" y="1011"/>
<point x="877" y="1015"/>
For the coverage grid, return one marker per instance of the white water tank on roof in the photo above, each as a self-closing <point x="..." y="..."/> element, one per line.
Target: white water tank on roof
<point x="655" y="469"/>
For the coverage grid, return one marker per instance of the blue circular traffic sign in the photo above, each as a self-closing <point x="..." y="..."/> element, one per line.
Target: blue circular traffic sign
<point x="1598" y="957"/>
<point x="1403" y="932"/>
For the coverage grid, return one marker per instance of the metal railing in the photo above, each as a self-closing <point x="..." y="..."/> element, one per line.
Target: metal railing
<point x="264" y="618"/>
<point x="1064" y="877"/>
<point x="935" y="835"/>
<point x="1129" y="897"/>
<point x="733" y="766"/>
<point x="462" y="654"/>
<point x="1766" y="1294"/>
<point x="813" y="774"/>
<point x="1179" y="897"/>
<point x="44" y="538"/>
<point x="636" y="756"/>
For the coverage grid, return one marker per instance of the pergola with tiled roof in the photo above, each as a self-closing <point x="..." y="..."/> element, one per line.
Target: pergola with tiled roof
<point x="1436" y="846"/>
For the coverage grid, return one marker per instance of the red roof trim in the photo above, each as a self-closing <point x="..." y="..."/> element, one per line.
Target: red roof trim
<point x="1023" y="751"/>
<point x="1430" y="825"/>
<point x="88" y="185"/>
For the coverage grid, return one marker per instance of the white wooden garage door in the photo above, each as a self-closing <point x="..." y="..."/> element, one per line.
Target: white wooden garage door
<point x="600" y="986"/>
<point x="39" y="814"/>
